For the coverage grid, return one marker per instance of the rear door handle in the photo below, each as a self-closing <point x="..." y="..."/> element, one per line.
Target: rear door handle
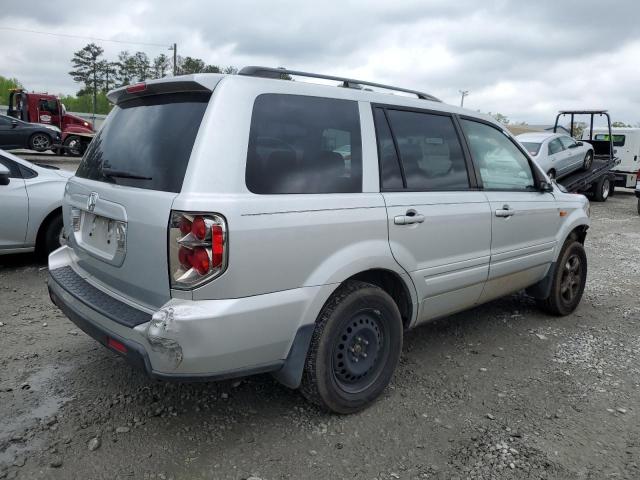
<point x="409" y="219"/>
<point x="505" y="211"/>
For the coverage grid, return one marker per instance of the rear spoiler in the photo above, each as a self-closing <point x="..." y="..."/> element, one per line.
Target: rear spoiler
<point x="184" y="83"/>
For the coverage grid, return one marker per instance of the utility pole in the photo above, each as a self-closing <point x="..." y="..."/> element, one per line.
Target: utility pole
<point x="95" y="88"/>
<point x="463" y="93"/>
<point x="175" y="58"/>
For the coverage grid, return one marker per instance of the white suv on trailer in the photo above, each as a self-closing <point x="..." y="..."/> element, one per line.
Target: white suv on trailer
<point x="224" y="225"/>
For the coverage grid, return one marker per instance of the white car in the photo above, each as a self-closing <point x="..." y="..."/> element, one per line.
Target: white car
<point x="31" y="198"/>
<point x="557" y="154"/>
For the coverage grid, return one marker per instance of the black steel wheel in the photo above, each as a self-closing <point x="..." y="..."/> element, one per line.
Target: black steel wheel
<point x="354" y="350"/>
<point x="569" y="280"/>
<point x="588" y="161"/>
<point x="360" y="350"/>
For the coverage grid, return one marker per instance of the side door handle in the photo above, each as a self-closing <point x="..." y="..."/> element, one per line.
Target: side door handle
<point x="409" y="218"/>
<point x="505" y="211"/>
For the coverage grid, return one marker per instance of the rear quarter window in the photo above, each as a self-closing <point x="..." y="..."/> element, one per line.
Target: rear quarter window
<point x="301" y="144"/>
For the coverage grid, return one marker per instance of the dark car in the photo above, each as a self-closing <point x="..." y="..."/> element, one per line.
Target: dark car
<point x="15" y="133"/>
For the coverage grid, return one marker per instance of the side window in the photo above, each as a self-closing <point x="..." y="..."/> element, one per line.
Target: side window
<point x="555" y="146"/>
<point x="502" y="165"/>
<point x="430" y="151"/>
<point x="14" y="168"/>
<point x="390" y="176"/>
<point x="567" y="142"/>
<point x="300" y="144"/>
<point x="4" y="122"/>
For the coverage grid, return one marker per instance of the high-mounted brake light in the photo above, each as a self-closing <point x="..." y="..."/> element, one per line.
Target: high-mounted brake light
<point x="197" y="248"/>
<point x="137" y="87"/>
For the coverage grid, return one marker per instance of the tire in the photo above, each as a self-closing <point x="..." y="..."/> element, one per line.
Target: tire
<point x="52" y="235"/>
<point x="588" y="161"/>
<point x="40" y="142"/>
<point x="354" y="350"/>
<point x="602" y="189"/>
<point x="569" y="279"/>
<point x="73" y="146"/>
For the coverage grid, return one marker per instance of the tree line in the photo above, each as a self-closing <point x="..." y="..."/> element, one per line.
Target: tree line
<point x="98" y="74"/>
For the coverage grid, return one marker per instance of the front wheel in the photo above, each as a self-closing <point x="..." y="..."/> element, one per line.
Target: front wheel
<point x="569" y="279"/>
<point x="588" y="161"/>
<point x="40" y="142"/>
<point x="73" y="146"/>
<point x="354" y="350"/>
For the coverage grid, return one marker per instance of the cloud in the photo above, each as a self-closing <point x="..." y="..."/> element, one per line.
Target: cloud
<point x="523" y="59"/>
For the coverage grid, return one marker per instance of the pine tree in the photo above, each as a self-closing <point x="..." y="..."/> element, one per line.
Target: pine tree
<point x="86" y="70"/>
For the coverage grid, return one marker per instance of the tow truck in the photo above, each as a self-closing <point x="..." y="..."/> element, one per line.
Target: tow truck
<point x="76" y="132"/>
<point x="599" y="180"/>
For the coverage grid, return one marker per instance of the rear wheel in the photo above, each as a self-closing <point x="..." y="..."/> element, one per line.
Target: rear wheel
<point x="354" y="350"/>
<point x="601" y="189"/>
<point x="40" y="142"/>
<point x="588" y="161"/>
<point x="569" y="279"/>
<point x="73" y="146"/>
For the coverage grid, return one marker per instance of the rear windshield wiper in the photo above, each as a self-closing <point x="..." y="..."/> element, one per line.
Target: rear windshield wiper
<point x="112" y="172"/>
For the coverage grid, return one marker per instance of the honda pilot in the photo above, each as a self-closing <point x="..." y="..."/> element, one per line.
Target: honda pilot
<point x="226" y="225"/>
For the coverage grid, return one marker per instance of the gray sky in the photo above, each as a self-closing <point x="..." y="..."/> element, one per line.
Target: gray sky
<point x="525" y="59"/>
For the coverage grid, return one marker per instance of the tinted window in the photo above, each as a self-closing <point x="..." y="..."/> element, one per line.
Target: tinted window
<point x="502" y="165"/>
<point x="5" y="121"/>
<point x="555" y="146"/>
<point x="430" y="151"/>
<point x="390" y="176"/>
<point x="532" y="147"/>
<point x="567" y="141"/>
<point x="14" y="168"/>
<point x="300" y="144"/>
<point x="149" y="137"/>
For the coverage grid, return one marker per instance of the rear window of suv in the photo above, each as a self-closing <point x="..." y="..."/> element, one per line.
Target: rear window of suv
<point x="146" y="142"/>
<point x="301" y="144"/>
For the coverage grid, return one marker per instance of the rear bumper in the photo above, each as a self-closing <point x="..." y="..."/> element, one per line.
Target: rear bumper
<point x="192" y="340"/>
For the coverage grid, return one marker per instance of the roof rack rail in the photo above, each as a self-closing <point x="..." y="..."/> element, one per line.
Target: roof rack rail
<point x="279" y="73"/>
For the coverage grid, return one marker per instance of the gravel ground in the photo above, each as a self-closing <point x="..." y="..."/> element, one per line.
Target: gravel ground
<point x="498" y="392"/>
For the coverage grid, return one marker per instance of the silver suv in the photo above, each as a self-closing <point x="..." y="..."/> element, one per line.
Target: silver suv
<point x="225" y="225"/>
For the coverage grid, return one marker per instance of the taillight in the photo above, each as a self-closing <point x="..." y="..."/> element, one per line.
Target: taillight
<point x="197" y="248"/>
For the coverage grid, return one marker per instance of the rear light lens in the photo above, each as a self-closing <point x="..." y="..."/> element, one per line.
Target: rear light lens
<point x="199" y="228"/>
<point x="197" y="248"/>
<point x="137" y="87"/>
<point x="116" y="345"/>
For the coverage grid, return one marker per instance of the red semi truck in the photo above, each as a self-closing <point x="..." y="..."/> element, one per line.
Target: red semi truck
<point x="32" y="107"/>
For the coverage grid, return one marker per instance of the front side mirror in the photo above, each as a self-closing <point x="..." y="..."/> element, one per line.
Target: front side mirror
<point x="579" y="144"/>
<point x="546" y="187"/>
<point x="4" y="175"/>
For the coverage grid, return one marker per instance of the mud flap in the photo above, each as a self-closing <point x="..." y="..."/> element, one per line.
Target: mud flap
<point x="290" y="375"/>
<point x="542" y="289"/>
